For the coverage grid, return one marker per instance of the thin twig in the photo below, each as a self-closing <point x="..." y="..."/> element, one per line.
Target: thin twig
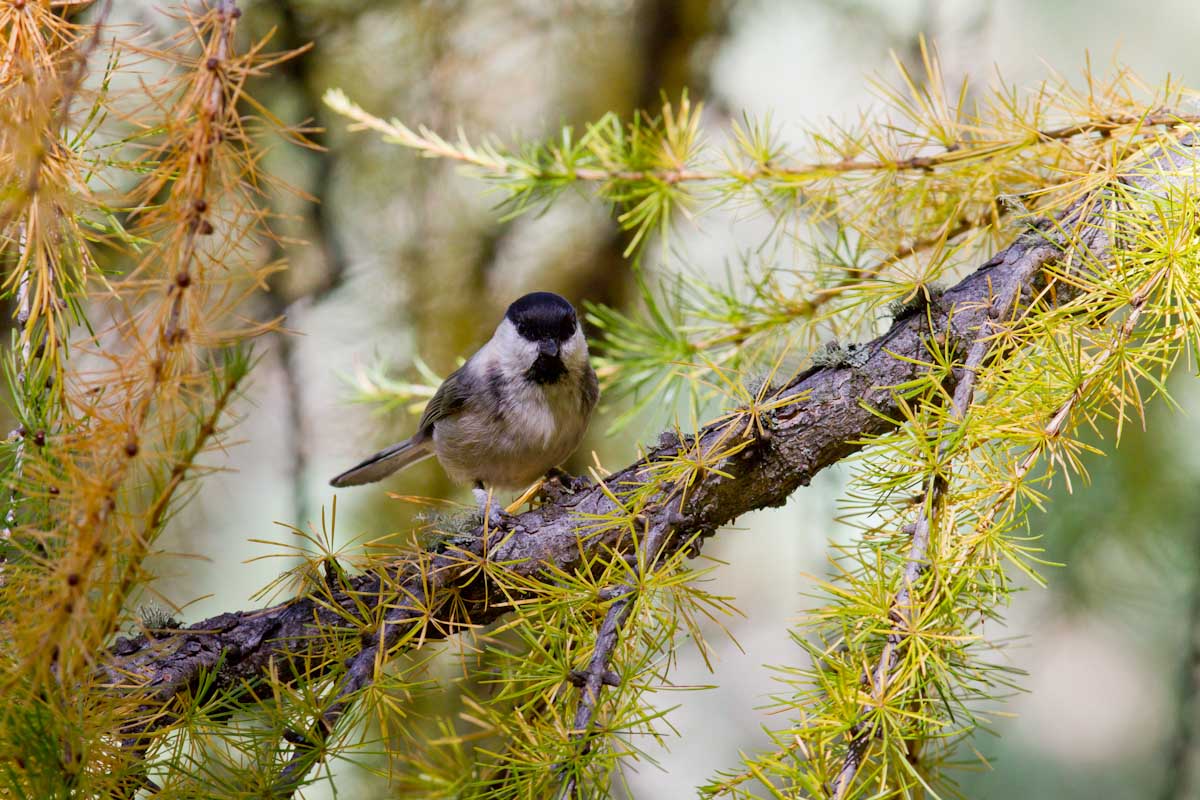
<point x="914" y="565"/>
<point x="1000" y="307"/>
<point x="916" y="561"/>
<point x="1058" y="420"/>
<point x="433" y="145"/>
<point x="205" y="432"/>
<point x="309" y="747"/>
<point x="851" y="278"/>
<point x="10" y="517"/>
<point x="189" y="187"/>
<point x="592" y="679"/>
<point x="207" y="133"/>
<point x="70" y="86"/>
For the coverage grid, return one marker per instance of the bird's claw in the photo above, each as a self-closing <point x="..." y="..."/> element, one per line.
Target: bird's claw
<point x="559" y="481"/>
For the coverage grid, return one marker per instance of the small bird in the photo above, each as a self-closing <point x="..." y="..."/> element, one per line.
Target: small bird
<point x="515" y="410"/>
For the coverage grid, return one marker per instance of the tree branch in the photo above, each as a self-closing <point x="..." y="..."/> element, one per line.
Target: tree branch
<point x="597" y="674"/>
<point x="914" y="565"/>
<point x="830" y="412"/>
<point x="491" y="161"/>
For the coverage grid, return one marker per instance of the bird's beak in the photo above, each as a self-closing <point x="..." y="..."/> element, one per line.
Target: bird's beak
<point x="548" y="347"/>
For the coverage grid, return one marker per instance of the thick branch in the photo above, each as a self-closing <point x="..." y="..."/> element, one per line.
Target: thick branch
<point x="834" y="410"/>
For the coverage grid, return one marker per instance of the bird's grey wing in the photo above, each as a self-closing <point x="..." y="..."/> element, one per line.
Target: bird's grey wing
<point x="447" y="401"/>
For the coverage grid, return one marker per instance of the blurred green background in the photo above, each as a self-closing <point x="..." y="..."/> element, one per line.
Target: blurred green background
<point x="405" y="258"/>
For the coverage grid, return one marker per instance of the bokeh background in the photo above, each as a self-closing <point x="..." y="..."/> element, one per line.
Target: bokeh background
<point x="405" y="258"/>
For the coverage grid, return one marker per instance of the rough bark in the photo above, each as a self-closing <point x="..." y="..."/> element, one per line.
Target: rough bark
<point x="835" y="409"/>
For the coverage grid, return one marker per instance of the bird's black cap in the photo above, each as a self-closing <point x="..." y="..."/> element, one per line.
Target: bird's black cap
<point x="539" y="316"/>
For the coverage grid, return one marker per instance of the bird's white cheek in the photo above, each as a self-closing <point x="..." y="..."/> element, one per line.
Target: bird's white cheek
<point x="575" y="352"/>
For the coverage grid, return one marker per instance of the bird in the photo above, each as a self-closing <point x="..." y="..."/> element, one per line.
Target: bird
<point x="515" y="410"/>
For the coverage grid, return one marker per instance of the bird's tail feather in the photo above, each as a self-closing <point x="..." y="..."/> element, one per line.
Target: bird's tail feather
<point x="385" y="462"/>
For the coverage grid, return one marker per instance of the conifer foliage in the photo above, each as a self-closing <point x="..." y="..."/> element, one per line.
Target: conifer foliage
<point x="985" y="276"/>
<point x="128" y="225"/>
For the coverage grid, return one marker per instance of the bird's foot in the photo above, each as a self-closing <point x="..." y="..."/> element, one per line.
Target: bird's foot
<point x="558" y="483"/>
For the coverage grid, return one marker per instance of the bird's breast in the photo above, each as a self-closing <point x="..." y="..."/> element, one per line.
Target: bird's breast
<point x="513" y="435"/>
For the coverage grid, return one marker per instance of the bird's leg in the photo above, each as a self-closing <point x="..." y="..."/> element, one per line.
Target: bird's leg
<point x="557" y="484"/>
<point x="535" y="490"/>
<point x="492" y="512"/>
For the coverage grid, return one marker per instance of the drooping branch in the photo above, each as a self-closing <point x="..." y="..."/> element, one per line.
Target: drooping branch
<point x="916" y="561"/>
<point x="825" y="414"/>
<point x="592" y="679"/>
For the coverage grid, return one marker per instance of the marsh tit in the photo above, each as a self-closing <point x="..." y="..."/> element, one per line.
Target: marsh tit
<point x="514" y="411"/>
